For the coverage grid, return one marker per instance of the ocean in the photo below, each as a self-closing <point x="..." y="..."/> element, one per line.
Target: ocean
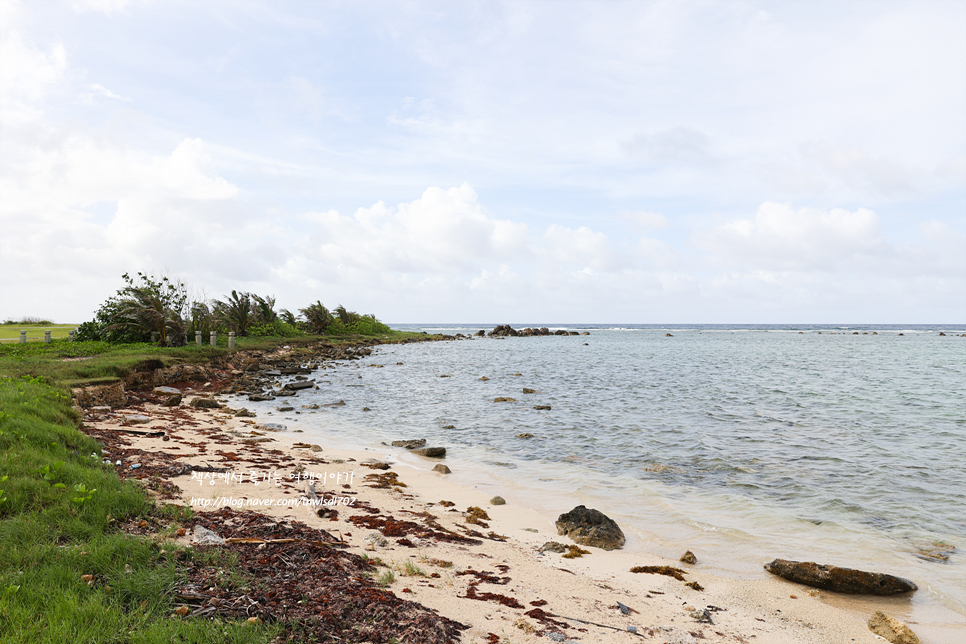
<point x="843" y="444"/>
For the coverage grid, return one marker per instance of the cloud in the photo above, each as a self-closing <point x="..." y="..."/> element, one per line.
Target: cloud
<point x="678" y="145"/>
<point x="90" y="98"/>
<point x="782" y="238"/>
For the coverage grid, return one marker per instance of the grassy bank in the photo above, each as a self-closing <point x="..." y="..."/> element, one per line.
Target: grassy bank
<point x="10" y="333"/>
<point x="69" y="569"/>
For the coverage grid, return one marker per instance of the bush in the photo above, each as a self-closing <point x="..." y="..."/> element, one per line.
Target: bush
<point x="274" y="329"/>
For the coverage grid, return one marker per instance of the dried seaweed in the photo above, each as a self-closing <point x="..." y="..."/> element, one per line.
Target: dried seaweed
<point x="670" y="571"/>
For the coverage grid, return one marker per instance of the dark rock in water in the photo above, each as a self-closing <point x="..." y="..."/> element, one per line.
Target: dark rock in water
<point x="688" y="557"/>
<point x="480" y="333"/>
<point x="204" y="403"/>
<point x="668" y="335"/>
<point x="172" y="401"/>
<point x="541" y="407"/>
<point x="841" y="580"/>
<point x="411" y="444"/>
<point x="484" y="378"/>
<point x="527" y="390"/>
<point x="525" y="435"/>
<point x="504" y="399"/>
<point x="891" y="629"/>
<point x="442" y="469"/>
<point x="285" y="392"/>
<point x="433" y="452"/>
<point x="449" y="427"/>
<point x="285" y="408"/>
<point x="341" y="403"/>
<point x="497" y="500"/>
<point x="301" y="384"/>
<point x="585" y="333"/>
<point x="590" y="527"/>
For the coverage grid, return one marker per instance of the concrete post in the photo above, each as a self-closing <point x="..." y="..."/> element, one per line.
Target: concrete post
<point x="214" y="338"/>
<point x="231" y="339"/>
<point x="70" y="335"/>
<point x="198" y="338"/>
<point x="154" y="336"/>
<point x="23" y="337"/>
<point x="47" y="336"/>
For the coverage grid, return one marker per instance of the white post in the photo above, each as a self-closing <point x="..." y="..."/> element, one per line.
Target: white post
<point x="70" y="335"/>
<point x="47" y="336"/>
<point x="231" y="339"/>
<point x="198" y="338"/>
<point x="214" y="338"/>
<point x="23" y="337"/>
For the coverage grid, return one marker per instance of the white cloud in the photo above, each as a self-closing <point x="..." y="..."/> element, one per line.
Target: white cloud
<point x="97" y="90"/>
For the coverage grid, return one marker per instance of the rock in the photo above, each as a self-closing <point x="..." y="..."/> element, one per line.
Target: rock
<point x="205" y="537"/>
<point x="101" y="395"/>
<point x="136" y="419"/>
<point x="504" y="399"/>
<point x="271" y="427"/>
<point x="484" y="378"/>
<point x="244" y="413"/>
<point x="541" y="407"/>
<point x="552" y="546"/>
<point x="891" y="629"/>
<point x="668" y="335"/>
<point x="516" y="374"/>
<point x="688" y="557"/>
<point x="341" y="403"/>
<point x="166" y="391"/>
<point x="172" y="401"/>
<point x="841" y="580"/>
<point x="529" y="391"/>
<point x="302" y="384"/>
<point x="525" y="435"/>
<point x="449" y="427"/>
<point x="590" y="527"/>
<point x="366" y="409"/>
<point x="310" y="406"/>
<point x="260" y="398"/>
<point x="497" y="500"/>
<point x="373" y="540"/>
<point x="481" y="333"/>
<point x="585" y="333"/>
<point x="442" y="469"/>
<point x="432" y="452"/>
<point x="285" y="409"/>
<point x="204" y="403"/>
<point x="411" y="444"/>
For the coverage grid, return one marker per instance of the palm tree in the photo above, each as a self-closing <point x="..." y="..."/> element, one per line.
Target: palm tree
<point x="151" y="306"/>
<point x="263" y="309"/>
<point x="235" y="312"/>
<point x="317" y="318"/>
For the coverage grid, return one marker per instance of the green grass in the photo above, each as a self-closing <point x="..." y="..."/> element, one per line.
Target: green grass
<point x="10" y="333"/>
<point x="60" y="509"/>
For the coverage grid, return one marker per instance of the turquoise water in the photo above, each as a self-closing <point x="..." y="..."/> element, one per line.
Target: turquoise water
<point x="743" y="443"/>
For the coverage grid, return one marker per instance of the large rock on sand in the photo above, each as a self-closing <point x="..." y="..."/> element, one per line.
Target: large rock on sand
<point x="891" y="629"/>
<point x="841" y="580"/>
<point x="590" y="528"/>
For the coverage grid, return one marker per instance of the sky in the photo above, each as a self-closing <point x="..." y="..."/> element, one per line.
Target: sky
<point x="490" y="162"/>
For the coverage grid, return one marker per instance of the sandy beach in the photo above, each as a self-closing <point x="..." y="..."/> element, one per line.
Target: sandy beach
<point x="485" y="569"/>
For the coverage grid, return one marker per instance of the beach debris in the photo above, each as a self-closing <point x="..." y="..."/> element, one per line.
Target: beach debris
<point x="375" y="465"/>
<point x="172" y="401"/>
<point x="590" y="527"/>
<point x="385" y="481"/>
<point x="205" y="537"/>
<point x="575" y="551"/>
<point x="669" y="571"/>
<point x="166" y="391"/>
<point x="688" y="557"/>
<point x="525" y="435"/>
<point x="541" y="407"/>
<point x="892" y="629"/>
<point x="204" y="403"/>
<point x="841" y="580"/>
<point x="432" y="452"/>
<point x="477" y="516"/>
<point x="529" y="391"/>
<point x="516" y="374"/>
<point x="410" y="444"/>
<point x="497" y="500"/>
<point x="442" y="469"/>
<point x="938" y="551"/>
<point x="504" y="399"/>
<point x="447" y="504"/>
<point x="552" y="546"/>
<point x="697" y="586"/>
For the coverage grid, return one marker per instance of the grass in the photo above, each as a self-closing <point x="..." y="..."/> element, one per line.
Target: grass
<point x="10" y="333"/>
<point x="67" y="570"/>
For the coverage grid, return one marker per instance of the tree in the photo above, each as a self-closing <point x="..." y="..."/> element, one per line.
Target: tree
<point x="147" y="306"/>
<point x="235" y="312"/>
<point x="317" y="318"/>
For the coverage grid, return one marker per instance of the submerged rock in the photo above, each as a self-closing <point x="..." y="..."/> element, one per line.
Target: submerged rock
<point x="541" y="407"/>
<point x="432" y="452"/>
<point x="410" y="444"/>
<point x="891" y="629"/>
<point x="590" y="527"/>
<point x="841" y="580"/>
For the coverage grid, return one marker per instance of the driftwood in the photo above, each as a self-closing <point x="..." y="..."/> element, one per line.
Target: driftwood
<point x="139" y="433"/>
<point x="181" y="469"/>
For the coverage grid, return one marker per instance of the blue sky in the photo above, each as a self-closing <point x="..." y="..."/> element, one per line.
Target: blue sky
<point x="625" y="162"/>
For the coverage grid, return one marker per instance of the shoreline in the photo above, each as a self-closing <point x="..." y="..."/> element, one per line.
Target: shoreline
<point x="584" y="588"/>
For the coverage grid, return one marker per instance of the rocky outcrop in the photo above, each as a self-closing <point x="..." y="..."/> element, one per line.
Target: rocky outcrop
<point x="101" y="395"/>
<point x="590" y="527"/>
<point x="891" y="629"/>
<point x="505" y="330"/>
<point x="204" y="403"/>
<point x="840" y="580"/>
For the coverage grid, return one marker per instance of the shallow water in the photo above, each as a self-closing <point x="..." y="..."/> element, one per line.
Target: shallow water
<point x="741" y="444"/>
